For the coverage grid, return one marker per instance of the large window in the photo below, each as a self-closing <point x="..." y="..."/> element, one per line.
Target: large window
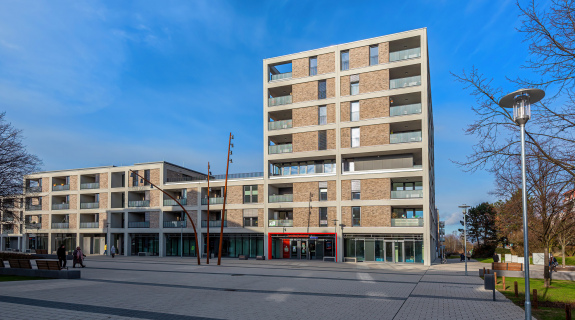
<point x="322" y="89"/>
<point x="322" y="115"/>
<point x="354" y="111"/>
<point x="250" y="194"/>
<point x="407" y="186"/>
<point x="356" y="216"/>
<point x="147" y="177"/>
<point x="345" y="60"/>
<point x="355" y="189"/>
<point x="354" y="88"/>
<point x="323" y="217"/>
<point x="373" y="55"/>
<point x="323" y="191"/>
<point x="303" y="168"/>
<point x="312" y="66"/>
<point x="354" y="137"/>
<point x="407" y="213"/>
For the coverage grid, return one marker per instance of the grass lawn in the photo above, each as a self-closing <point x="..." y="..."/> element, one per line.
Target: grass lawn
<point x="570" y="261"/>
<point x="484" y="260"/>
<point x="18" y="278"/>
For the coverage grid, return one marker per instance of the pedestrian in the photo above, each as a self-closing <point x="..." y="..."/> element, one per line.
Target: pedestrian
<point x="105" y="249"/>
<point x="61" y="253"/>
<point x="461" y="255"/>
<point x="113" y="251"/>
<point x="78" y="257"/>
<point x="495" y="257"/>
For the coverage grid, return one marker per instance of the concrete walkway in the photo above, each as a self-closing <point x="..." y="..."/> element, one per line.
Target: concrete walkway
<point x="174" y="288"/>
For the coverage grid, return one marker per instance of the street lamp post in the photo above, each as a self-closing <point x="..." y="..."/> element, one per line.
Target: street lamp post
<point x="464" y="207"/>
<point x="521" y="101"/>
<point x="335" y="238"/>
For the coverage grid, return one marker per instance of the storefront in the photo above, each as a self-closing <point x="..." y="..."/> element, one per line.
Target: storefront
<point x="233" y="245"/>
<point x="384" y="248"/>
<point x="66" y="239"/>
<point x="303" y="246"/>
<point x="176" y="241"/>
<point x="146" y="243"/>
<point x="38" y="241"/>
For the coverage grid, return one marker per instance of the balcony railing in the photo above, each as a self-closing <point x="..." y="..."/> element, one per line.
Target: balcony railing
<point x="280" y="223"/>
<point x="405" y="137"/>
<point x="61" y="187"/>
<point x="281" y="198"/>
<point x="61" y="206"/>
<point x="405" y="82"/>
<point x="34" y="189"/>
<point x="374" y="60"/>
<point x="279" y="76"/>
<point x="282" y="124"/>
<point x="405" y="54"/>
<point x="89" y="205"/>
<point x="219" y="177"/>
<point x="93" y="185"/>
<point x="405" y="109"/>
<point x="140" y="224"/>
<point x="407" y="222"/>
<point x="171" y="202"/>
<point x="213" y="200"/>
<point x="141" y="203"/>
<point x="280" y="148"/>
<point x="34" y="225"/>
<point x="8" y="231"/>
<point x="278" y="101"/>
<point x="87" y="225"/>
<point x="60" y="225"/>
<point x="32" y="207"/>
<point x="214" y="224"/>
<point x="8" y="219"/>
<point x="406" y="194"/>
<point x="174" y="224"/>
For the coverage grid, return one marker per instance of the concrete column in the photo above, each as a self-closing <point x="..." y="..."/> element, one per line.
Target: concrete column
<point x="50" y="242"/>
<point x="161" y="244"/>
<point x="126" y="244"/>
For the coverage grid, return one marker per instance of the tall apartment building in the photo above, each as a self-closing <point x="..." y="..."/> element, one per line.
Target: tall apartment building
<point x="348" y="155"/>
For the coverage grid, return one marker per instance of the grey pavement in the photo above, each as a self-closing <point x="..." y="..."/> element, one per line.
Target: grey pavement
<point x="174" y="288"/>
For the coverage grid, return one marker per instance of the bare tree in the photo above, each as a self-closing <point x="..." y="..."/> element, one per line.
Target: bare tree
<point x="566" y="236"/>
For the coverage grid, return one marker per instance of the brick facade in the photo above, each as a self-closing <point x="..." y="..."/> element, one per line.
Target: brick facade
<point x="305" y="141"/>
<point x="374" y="81"/>
<point x="45" y="221"/>
<point x="302" y="117"/>
<point x="104" y="180"/>
<point x="235" y="195"/>
<point x="155" y="176"/>
<point x="330" y="88"/>
<point x="103" y="219"/>
<point x="384" y="52"/>
<point x="46" y="184"/>
<point x="374" y="135"/>
<point x="261" y="221"/>
<point x="371" y="216"/>
<point x="373" y="108"/>
<point x="325" y="63"/>
<point x="300" y="68"/>
<point x="371" y="189"/>
<point x="104" y="200"/>
<point x="306" y="91"/>
<point x="154" y="218"/>
<point x="192" y="196"/>
<point x="73" y="221"/>
<point x="260" y="193"/>
<point x="73" y="182"/>
<point x="345" y="137"/>
<point x="359" y="57"/>
<point x="194" y="216"/>
<point x="301" y="216"/>
<point x="302" y="190"/>
<point x="235" y="218"/>
<point x="73" y="201"/>
<point x="344" y="84"/>
<point x="155" y="198"/>
<point x="330" y="113"/>
<point x="330" y="136"/>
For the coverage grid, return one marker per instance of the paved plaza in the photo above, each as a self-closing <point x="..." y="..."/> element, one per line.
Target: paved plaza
<point x="174" y="288"/>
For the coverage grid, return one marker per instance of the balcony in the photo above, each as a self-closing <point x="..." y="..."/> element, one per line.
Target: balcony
<point x="406" y="194"/>
<point x="405" y="82"/>
<point x="8" y="231"/>
<point x="8" y="219"/>
<point x="61" y="225"/>
<point x="140" y="224"/>
<point x="407" y="222"/>
<point x="280" y="76"/>
<point x="141" y="203"/>
<point x="280" y="148"/>
<point x="61" y="206"/>
<point x="280" y="198"/>
<point x="280" y="223"/>
<point x="88" y="225"/>
<point x="213" y="200"/>
<point x="405" y="137"/>
<point x="61" y="187"/>
<point x="278" y="101"/>
<point x="174" y="224"/>
<point x="214" y="224"/>
<point x="34" y="225"/>
<point x="89" y="205"/>
<point x="282" y="124"/>
<point x="404" y="54"/>
<point x="405" y="110"/>
<point x="171" y="202"/>
<point x="33" y="207"/>
<point x="34" y="189"/>
<point x="94" y="185"/>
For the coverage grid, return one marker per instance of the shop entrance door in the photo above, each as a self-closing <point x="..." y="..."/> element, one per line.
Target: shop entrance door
<point x="394" y="251"/>
<point x="303" y="249"/>
<point x="312" y="249"/>
<point x="285" y="249"/>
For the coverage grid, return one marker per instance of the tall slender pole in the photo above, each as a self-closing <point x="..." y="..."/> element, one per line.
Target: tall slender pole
<point x="208" y="240"/>
<point x="525" y="227"/>
<point x="465" y="237"/>
<point x="181" y="239"/>
<point x="224" y="207"/>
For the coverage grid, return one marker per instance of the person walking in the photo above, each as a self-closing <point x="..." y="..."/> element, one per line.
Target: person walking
<point x="61" y="253"/>
<point x="113" y="251"/>
<point x="105" y="249"/>
<point x="78" y="257"/>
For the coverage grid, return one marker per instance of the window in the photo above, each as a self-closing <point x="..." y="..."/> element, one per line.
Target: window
<point x="250" y="194"/>
<point x="322" y="140"/>
<point x="323" y="191"/>
<point x="354" y="137"/>
<point x="321" y="89"/>
<point x="407" y="213"/>
<point x="322" y="115"/>
<point x="373" y="55"/>
<point x="250" y="217"/>
<point x="147" y="177"/>
<point x="356" y="216"/>
<point x="323" y="217"/>
<point x="312" y="66"/>
<point x="354" y="88"/>
<point x="135" y="179"/>
<point x="354" y="111"/>
<point x="345" y="60"/>
<point x="355" y="189"/>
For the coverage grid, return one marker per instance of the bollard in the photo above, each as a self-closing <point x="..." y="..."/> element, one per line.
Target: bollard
<point x="487" y="271"/>
<point x="495" y="276"/>
<point x="516" y="290"/>
<point x="535" y="304"/>
<point x="504" y="287"/>
<point x="483" y="270"/>
<point x="567" y="311"/>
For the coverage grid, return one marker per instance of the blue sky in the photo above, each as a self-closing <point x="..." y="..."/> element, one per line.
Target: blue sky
<point x="117" y="82"/>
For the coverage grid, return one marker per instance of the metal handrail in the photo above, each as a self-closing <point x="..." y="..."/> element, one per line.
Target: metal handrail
<point x="93" y="185"/>
<point x="139" y="224"/>
<point x="93" y="225"/>
<point x="89" y="205"/>
<point x="140" y="203"/>
<point x="171" y="202"/>
<point x="280" y="198"/>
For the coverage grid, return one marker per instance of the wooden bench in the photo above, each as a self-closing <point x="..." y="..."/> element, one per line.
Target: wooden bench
<point x="498" y="266"/>
<point x="41" y="251"/>
<point x="507" y="266"/>
<point x="20" y="264"/>
<point x="48" y="265"/>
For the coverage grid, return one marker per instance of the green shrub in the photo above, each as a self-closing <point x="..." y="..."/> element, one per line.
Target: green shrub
<point x="502" y="251"/>
<point x="484" y="251"/>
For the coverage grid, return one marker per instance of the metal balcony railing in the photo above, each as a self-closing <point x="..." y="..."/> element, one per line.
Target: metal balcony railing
<point x="87" y="225"/>
<point x="278" y="101"/>
<point x="140" y="203"/>
<point x="32" y="207"/>
<point x="8" y="219"/>
<point x="279" y="76"/>
<point x="213" y="200"/>
<point x="237" y="175"/>
<point x="34" y="225"/>
<point x="407" y="222"/>
<point x="93" y="185"/>
<point x="281" y="198"/>
<point x="405" y="54"/>
<point x="34" y="189"/>
<point x="8" y="231"/>
<point x="280" y="223"/>
<point x="406" y="194"/>
<point x="61" y="187"/>
<point x="60" y="225"/>
<point x="171" y="202"/>
<point x="405" y="109"/>
<point x="61" y="206"/>
<point x="89" y="205"/>
<point x="174" y="224"/>
<point x="280" y="148"/>
<point x="281" y="124"/>
<point x="139" y="224"/>
<point x="405" y="82"/>
<point x="214" y="224"/>
<point x="373" y="60"/>
<point x="405" y="137"/>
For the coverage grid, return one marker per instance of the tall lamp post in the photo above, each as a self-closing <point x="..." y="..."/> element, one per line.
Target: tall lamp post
<point x="464" y="207"/>
<point x="521" y="101"/>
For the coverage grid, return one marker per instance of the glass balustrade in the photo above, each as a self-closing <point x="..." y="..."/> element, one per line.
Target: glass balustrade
<point x="213" y="200"/>
<point x="281" y="124"/>
<point x="280" y="76"/>
<point x="280" y="148"/>
<point x="174" y="224"/>
<point x="405" y="109"/>
<point x="405" y="82"/>
<point x="94" y="185"/>
<point x="406" y="194"/>
<point x="280" y="223"/>
<point x="407" y="222"/>
<point x="61" y="225"/>
<point x="281" y="198"/>
<point x="405" y="137"/>
<point x="140" y="224"/>
<point x="85" y="225"/>
<point x="172" y="202"/>
<point x="61" y="206"/>
<point x="89" y="205"/>
<point x="141" y="203"/>
<point x="278" y="101"/>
